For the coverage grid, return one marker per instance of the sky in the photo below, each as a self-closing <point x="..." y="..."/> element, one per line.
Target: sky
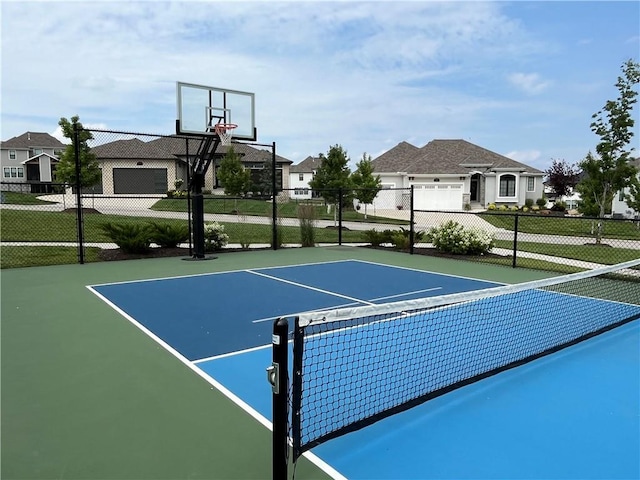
<point x="520" y="78"/>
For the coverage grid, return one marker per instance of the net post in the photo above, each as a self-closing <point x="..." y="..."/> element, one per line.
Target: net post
<point x="277" y="375"/>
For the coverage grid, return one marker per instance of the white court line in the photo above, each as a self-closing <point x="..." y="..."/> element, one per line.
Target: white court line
<point x="321" y="464"/>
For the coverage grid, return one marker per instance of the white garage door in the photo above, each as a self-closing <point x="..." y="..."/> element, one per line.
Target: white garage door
<point x="438" y="196"/>
<point x="386" y="198"/>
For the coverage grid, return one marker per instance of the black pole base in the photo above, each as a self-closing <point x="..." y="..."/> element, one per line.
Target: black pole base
<point x="197" y="258"/>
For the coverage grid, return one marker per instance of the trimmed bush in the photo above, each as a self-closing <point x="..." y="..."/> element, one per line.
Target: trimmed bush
<point x="376" y="238"/>
<point x="130" y="237"/>
<point x="451" y="237"/>
<point x="169" y="235"/>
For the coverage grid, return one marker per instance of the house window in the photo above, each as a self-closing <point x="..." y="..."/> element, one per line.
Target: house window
<point x="301" y="176"/>
<point x="531" y="184"/>
<point x="508" y="185"/>
<point x="301" y="191"/>
<point x="13" y="172"/>
<point x="12" y="154"/>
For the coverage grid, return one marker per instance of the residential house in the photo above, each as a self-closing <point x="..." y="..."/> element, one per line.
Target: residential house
<point x="619" y="207"/>
<point x="300" y="175"/>
<point x="137" y="167"/>
<point x="29" y="162"/>
<point x="453" y="175"/>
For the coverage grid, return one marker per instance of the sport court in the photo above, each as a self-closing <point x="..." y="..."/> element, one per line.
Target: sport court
<point x="570" y="415"/>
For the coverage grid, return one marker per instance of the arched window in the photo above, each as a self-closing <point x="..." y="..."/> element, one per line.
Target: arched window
<point x="508" y="185"/>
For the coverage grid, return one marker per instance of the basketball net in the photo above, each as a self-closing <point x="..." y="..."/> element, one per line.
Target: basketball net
<point x="224" y="132"/>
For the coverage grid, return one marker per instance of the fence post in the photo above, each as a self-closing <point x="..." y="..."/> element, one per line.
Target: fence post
<point x="79" y="219"/>
<point x="340" y="216"/>
<point x="411" y="220"/>
<point x="277" y="375"/>
<point x="515" y="241"/>
<point x="274" y="207"/>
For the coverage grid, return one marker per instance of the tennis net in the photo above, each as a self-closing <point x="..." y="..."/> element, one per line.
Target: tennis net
<point x="355" y="366"/>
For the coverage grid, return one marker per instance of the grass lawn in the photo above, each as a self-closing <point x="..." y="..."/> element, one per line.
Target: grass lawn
<point x="252" y="207"/>
<point x="570" y="226"/>
<point x="16" y="257"/>
<point x="17" y="198"/>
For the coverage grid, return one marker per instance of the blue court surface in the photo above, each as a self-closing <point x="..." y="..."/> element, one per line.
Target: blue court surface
<point x="573" y="414"/>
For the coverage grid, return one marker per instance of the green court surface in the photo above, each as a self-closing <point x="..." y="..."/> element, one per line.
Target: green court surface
<point x="86" y="395"/>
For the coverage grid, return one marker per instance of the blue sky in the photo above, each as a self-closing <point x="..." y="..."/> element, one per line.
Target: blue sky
<point x="518" y="78"/>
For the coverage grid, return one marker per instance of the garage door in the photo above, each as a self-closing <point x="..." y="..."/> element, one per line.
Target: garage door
<point x="438" y="196"/>
<point x="386" y="198"/>
<point x="139" y="180"/>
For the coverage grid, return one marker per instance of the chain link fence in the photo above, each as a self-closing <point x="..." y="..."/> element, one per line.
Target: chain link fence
<point x="139" y="203"/>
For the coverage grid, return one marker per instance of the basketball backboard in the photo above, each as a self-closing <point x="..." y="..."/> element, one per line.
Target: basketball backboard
<point x="200" y="107"/>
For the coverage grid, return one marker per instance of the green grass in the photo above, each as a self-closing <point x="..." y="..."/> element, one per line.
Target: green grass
<point x="570" y="226"/>
<point x="587" y="253"/>
<point x="16" y="198"/>
<point x="25" y="256"/>
<point x="262" y="208"/>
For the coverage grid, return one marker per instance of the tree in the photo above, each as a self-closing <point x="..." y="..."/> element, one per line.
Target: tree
<point x="332" y="179"/>
<point x="66" y="169"/>
<point x="236" y="180"/>
<point x="610" y="171"/>
<point x="633" y="197"/>
<point x="265" y="180"/>
<point x="562" y="177"/>
<point x="365" y="185"/>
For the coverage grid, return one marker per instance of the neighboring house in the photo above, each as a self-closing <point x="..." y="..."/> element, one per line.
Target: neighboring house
<point x="619" y="207"/>
<point x="137" y="167"/>
<point x="29" y="162"/>
<point x="453" y="175"/>
<point x="300" y="175"/>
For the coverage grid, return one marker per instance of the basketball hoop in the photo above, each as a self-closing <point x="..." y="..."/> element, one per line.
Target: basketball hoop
<point x="224" y="132"/>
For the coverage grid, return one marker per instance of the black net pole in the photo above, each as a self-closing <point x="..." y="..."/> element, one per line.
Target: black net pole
<point x="278" y="377"/>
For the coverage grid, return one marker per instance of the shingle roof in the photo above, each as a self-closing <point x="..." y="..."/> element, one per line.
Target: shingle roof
<point x="440" y="157"/>
<point x="308" y="165"/>
<point x="397" y="159"/>
<point x="32" y="140"/>
<point x="134" y="149"/>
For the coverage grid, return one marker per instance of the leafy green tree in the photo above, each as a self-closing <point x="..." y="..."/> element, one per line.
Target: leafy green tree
<point x="236" y="180"/>
<point x="633" y="197"/>
<point x="66" y="169"/>
<point x="333" y="176"/>
<point x="365" y="185"/>
<point x="610" y="171"/>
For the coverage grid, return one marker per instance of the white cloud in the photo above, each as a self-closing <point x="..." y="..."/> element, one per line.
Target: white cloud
<point x="530" y="83"/>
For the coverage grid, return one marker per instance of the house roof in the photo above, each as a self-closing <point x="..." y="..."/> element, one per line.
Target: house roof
<point x="308" y="165"/>
<point x="440" y="157"/>
<point x="32" y="140"/>
<point x="133" y="149"/>
<point x="398" y="159"/>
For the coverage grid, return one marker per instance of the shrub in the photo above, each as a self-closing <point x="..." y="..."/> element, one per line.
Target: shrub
<point x="401" y="240"/>
<point x="451" y="237"/>
<point x="492" y="206"/>
<point x="130" y="237"/>
<point x="503" y="208"/>
<point x="376" y="238"/>
<point x="169" y="235"/>
<point x="514" y="208"/>
<point x="214" y="237"/>
<point x="308" y="220"/>
<point x="529" y="203"/>
<point x="559" y="206"/>
<point x="525" y="209"/>
<point x="541" y="202"/>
